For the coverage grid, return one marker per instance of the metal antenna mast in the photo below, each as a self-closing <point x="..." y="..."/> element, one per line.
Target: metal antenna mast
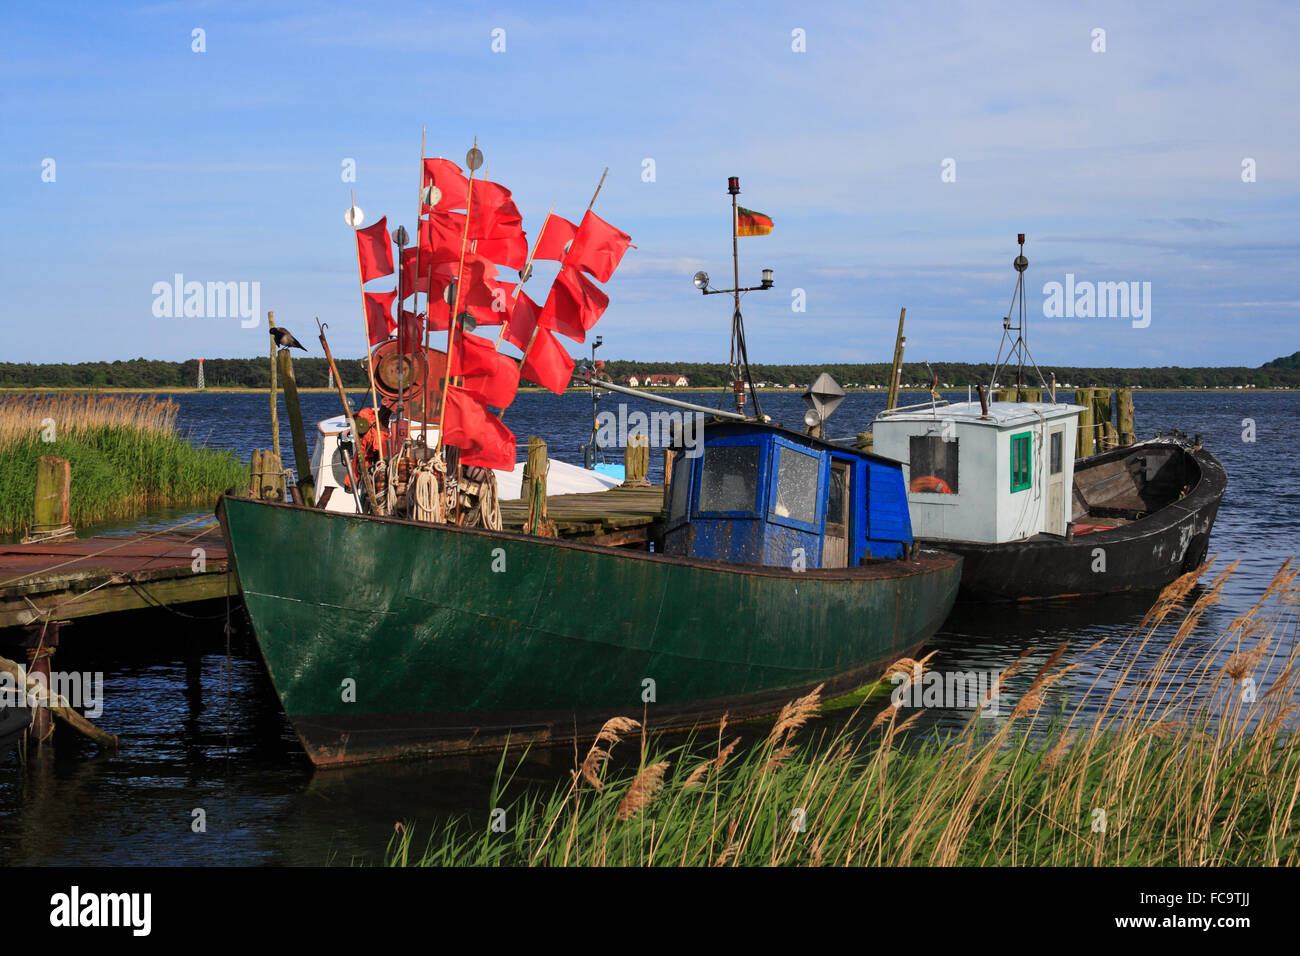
<point x="1019" y="349"/>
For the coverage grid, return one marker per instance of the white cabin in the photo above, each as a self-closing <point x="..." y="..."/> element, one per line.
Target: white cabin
<point x="1002" y="476"/>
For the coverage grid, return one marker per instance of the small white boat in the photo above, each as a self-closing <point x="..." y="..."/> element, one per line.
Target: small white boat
<point x="329" y="470"/>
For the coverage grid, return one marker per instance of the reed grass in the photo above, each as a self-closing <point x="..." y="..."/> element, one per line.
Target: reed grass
<point x="1180" y="767"/>
<point x="126" y="456"/>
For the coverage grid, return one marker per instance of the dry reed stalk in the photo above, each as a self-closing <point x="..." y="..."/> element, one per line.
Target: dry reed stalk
<point x="643" y="789"/>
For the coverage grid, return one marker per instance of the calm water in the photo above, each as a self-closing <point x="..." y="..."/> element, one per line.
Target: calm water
<point x="202" y="729"/>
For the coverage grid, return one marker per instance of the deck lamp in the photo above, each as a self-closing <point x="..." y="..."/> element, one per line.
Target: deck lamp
<point x="767" y="279"/>
<point x="701" y="280"/>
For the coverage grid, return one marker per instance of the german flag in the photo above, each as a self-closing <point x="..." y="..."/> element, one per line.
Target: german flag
<point x="750" y="223"/>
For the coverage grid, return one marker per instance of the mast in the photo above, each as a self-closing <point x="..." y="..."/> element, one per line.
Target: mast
<point x="1019" y="349"/>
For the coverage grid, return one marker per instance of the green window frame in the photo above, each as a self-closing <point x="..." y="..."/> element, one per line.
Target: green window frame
<point x="1022" y="461"/>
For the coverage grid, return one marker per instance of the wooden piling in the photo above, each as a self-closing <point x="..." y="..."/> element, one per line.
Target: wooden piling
<point x="302" y="462"/>
<point x="1085" y="441"/>
<point x="1030" y="395"/>
<point x="636" y="460"/>
<point x="899" y="344"/>
<point x="53" y="500"/>
<point x="533" y="489"/>
<point x="1124" y="398"/>
<point x="275" y="400"/>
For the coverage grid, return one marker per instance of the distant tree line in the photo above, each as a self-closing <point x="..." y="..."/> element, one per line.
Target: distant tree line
<point x="313" y="373"/>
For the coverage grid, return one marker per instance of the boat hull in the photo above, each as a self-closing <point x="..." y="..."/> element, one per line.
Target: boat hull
<point x="388" y="638"/>
<point x="1146" y="554"/>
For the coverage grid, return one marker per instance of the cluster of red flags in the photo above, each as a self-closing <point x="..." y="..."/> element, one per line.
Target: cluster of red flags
<point x="467" y="230"/>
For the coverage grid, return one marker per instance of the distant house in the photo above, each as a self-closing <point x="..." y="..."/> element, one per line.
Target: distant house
<point x="631" y="381"/>
<point x="661" y="380"/>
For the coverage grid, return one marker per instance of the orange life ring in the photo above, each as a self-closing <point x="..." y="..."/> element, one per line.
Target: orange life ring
<point x="930" y="483"/>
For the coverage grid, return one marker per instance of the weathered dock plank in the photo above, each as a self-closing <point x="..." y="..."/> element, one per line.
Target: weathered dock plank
<point x="82" y="577"/>
<point x="620" y="515"/>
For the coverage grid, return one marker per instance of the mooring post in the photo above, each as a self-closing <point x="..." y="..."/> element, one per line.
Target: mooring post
<point x="306" y="482"/>
<point x="1126" y="425"/>
<point x="534" y="488"/>
<point x="636" y="459"/>
<point x="39" y="645"/>
<point x="1101" y="416"/>
<point x="275" y="399"/>
<point x="1085" y="442"/>
<point x="53" y="500"/>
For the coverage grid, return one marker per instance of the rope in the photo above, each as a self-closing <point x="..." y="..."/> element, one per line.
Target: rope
<point x="426" y="497"/>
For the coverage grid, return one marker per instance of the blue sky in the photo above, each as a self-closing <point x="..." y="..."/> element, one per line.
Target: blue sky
<point x="225" y="165"/>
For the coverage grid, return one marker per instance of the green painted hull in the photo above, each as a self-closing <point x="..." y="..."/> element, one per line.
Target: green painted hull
<point x="455" y="639"/>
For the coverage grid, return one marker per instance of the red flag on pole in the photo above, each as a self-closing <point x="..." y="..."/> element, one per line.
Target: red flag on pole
<point x="379" y="315"/>
<point x="451" y="184"/>
<point x="553" y="242"/>
<point x="375" y="251"/>
<point x="440" y="235"/>
<point x="511" y="251"/>
<point x="523" y="319"/>
<point x="489" y="375"/>
<point x="482" y="439"/>
<point x="574" y="305"/>
<point x="598" y="247"/>
<point x="547" y="363"/>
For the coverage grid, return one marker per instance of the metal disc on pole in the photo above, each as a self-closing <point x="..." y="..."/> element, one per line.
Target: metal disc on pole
<point x="474" y="158"/>
<point x="354" y="217"/>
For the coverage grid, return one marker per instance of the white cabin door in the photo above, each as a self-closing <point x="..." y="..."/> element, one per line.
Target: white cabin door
<point x="1056" y="480"/>
<point x="835" y="544"/>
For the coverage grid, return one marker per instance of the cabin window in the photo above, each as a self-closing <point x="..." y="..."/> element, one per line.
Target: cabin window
<point x="796" y="486"/>
<point x="934" y="464"/>
<point x="1057" y="452"/>
<point x="729" y="479"/>
<point x="1021" y="461"/>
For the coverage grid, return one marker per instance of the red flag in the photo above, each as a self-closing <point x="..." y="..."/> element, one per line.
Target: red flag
<point x="512" y="251"/>
<point x="379" y="317"/>
<point x="574" y="305"/>
<point x="441" y="235"/>
<point x="523" y="319"/>
<point x="548" y="363"/>
<point x="412" y="336"/>
<point x="489" y="375"/>
<point x="494" y="214"/>
<point x="598" y="247"/>
<point x="555" y="237"/>
<point x="482" y="439"/>
<point x="481" y="295"/>
<point x="450" y="182"/>
<point x="375" y="251"/>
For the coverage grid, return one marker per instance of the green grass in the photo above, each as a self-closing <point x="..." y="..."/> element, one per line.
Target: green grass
<point x="1175" y="769"/>
<point x="124" y="453"/>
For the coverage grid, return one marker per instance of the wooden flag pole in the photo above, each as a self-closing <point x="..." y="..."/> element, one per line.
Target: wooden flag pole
<point x="415" y="288"/>
<point x="597" y="192"/>
<point x="365" y="325"/>
<point x="455" y="310"/>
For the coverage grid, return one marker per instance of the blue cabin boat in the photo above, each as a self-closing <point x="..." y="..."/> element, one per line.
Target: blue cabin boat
<point x="765" y="495"/>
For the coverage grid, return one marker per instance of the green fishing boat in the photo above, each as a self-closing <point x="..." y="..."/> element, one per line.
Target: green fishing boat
<point x="388" y="637"/>
<point x="397" y="618"/>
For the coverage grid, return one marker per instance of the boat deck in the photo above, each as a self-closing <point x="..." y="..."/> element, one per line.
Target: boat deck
<point x="82" y="577"/>
<point x="622" y="515"/>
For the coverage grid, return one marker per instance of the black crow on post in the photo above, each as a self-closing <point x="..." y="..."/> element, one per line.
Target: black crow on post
<point x="285" y="340"/>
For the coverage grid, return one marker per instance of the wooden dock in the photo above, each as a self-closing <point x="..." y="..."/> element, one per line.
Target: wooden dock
<point x="83" y="577"/>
